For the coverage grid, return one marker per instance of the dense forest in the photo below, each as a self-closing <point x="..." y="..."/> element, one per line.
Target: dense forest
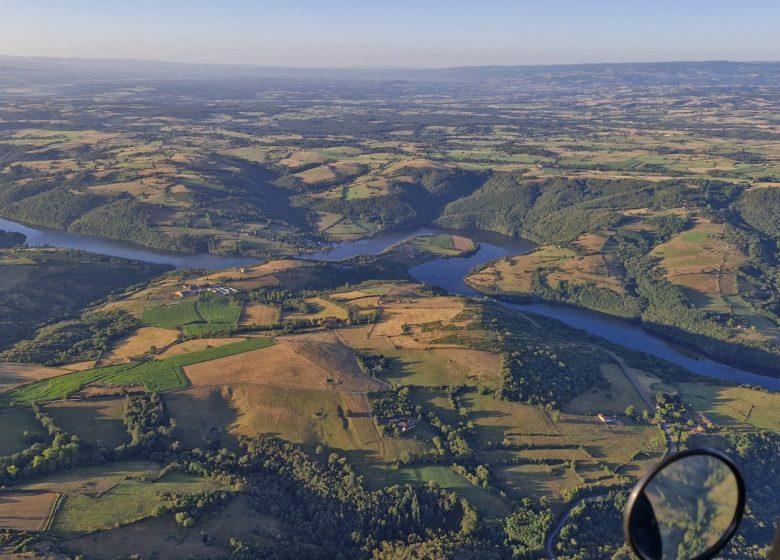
<point x="559" y="211"/>
<point x="42" y="286"/>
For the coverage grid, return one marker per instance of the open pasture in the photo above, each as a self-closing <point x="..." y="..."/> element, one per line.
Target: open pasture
<point x="613" y="445"/>
<point x="399" y="317"/>
<point x="309" y="361"/>
<point x="733" y="406"/>
<point x="162" y="537"/>
<point x="92" y="420"/>
<point x="704" y="263"/>
<point x="552" y="265"/>
<point x="496" y="420"/>
<point x="92" y="481"/>
<point x="536" y="481"/>
<point x="14" y="375"/>
<point x="126" y="502"/>
<point x="614" y="400"/>
<point x="26" y="510"/>
<point x="195" y="345"/>
<point x="172" y="315"/>
<point x="259" y="314"/>
<point x="303" y="416"/>
<point x="438" y="367"/>
<point x="447" y="478"/>
<point x="139" y="343"/>
<point x="15" y="423"/>
<point x="204" y="416"/>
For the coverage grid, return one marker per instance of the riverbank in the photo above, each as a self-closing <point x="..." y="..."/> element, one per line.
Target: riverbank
<point x="448" y="273"/>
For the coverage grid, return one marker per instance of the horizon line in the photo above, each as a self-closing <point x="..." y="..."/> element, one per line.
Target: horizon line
<point x="375" y="68"/>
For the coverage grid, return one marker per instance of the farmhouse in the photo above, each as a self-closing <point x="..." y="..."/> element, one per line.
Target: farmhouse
<point x="184" y="293"/>
<point x="333" y="322"/>
<point x="404" y="424"/>
<point x="607" y="419"/>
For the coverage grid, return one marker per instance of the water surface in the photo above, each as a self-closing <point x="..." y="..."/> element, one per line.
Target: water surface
<point x="447" y="273"/>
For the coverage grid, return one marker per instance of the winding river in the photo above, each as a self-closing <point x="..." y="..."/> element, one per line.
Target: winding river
<point x="447" y="273"/>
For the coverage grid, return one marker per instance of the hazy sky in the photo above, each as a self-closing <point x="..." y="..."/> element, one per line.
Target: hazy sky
<point x="373" y="33"/>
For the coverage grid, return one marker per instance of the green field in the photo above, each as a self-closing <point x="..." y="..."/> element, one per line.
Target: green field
<point x="536" y="481"/>
<point x="129" y="501"/>
<point x="171" y="316"/>
<point x="214" y="308"/>
<point x="14" y="425"/>
<point x="447" y="478"/>
<point x="208" y="314"/>
<point x="93" y="421"/>
<point x="730" y="406"/>
<point x="194" y="330"/>
<point x="162" y="375"/>
<point x="496" y="420"/>
<point x="424" y="368"/>
<point x="613" y="400"/>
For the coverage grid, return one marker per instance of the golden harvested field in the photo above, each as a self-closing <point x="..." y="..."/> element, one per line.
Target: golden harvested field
<point x="195" y="345"/>
<point x="136" y="188"/>
<point x="92" y="420"/>
<point x="349" y="296"/>
<point x="308" y="361"/>
<point x="317" y="175"/>
<point x="424" y="310"/>
<point x="259" y="314"/>
<point x="26" y="511"/>
<point x="79" y="366"/>
<point x="320" y="308"/>
<point x="553" y="264"/>
<point x="254" y="277"/>
<point x="138" y="343"/>
<point x="148" y="297"/>
<point x="462" y="243"/>
<point x="303" y="157"/>
<point x="13" y="375"/>
<point x="591" y="243"/>
<point x="359" y="298"/>
<point x="358" y="337"/>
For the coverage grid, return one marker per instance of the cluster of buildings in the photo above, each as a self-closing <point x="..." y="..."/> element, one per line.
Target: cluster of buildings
<point x="703" y="424"/>
<point x="188" y="290"/>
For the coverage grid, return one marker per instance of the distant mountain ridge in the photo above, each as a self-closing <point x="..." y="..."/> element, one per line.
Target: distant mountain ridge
<point x="15" y="71"/>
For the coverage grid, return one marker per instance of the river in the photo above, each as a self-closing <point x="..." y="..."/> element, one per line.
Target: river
<point x="447" y="273"/>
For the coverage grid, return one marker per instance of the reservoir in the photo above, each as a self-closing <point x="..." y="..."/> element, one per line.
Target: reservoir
<point x="447" y="273"/>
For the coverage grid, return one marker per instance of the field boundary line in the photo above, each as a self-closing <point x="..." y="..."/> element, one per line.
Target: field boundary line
<point x="53" y="512"/>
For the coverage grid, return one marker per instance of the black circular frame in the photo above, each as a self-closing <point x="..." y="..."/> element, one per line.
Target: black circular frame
<point x="645" y="480"/>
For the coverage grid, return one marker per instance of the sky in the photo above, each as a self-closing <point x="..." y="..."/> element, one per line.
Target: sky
<point x="392" y="33"/>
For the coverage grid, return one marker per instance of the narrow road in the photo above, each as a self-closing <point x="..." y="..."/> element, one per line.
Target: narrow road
<point x="552" y="535"/>
<point x="671" y="447"/>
